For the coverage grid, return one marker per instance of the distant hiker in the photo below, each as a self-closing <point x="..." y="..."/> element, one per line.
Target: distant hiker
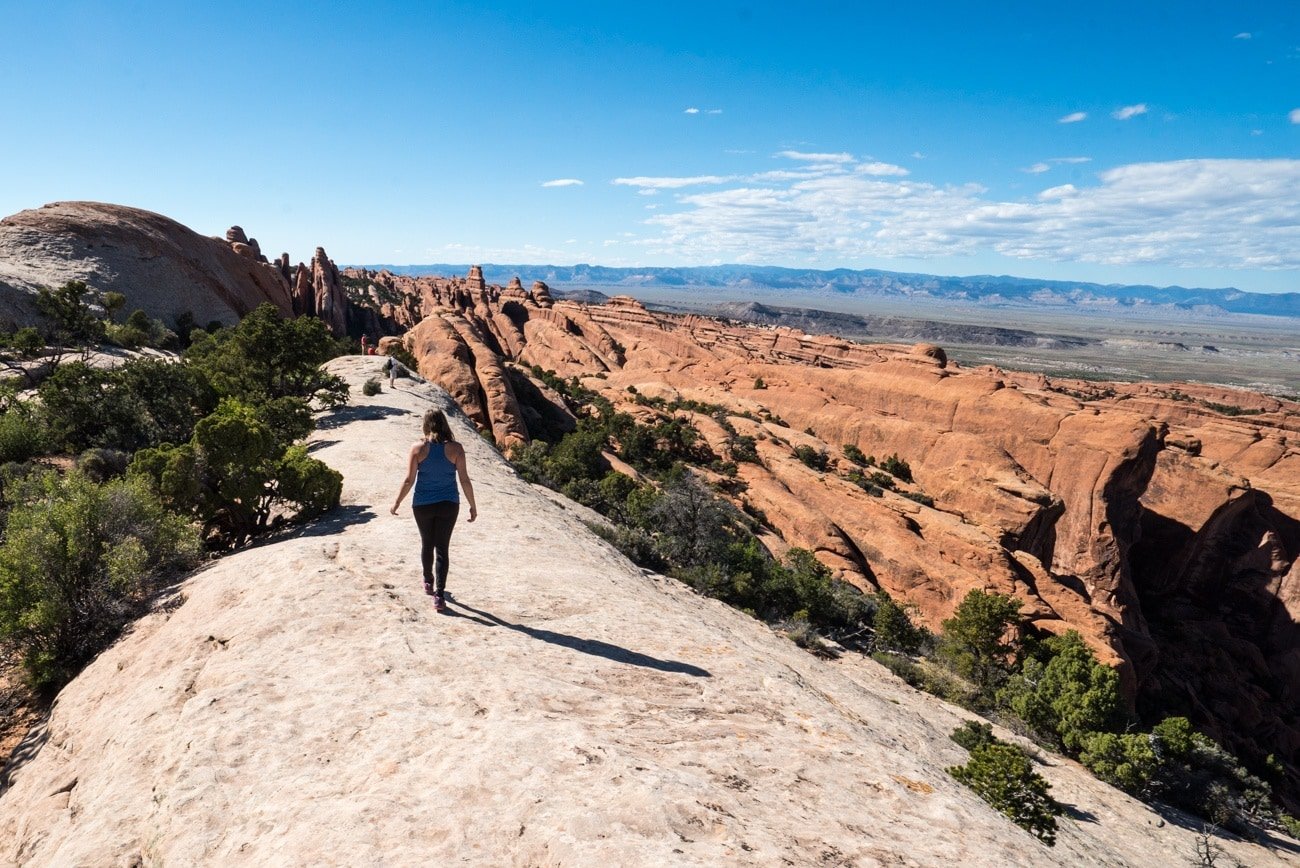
<point x="390" y="367"/>
<point x="364" y="340"/>
<point x="432" y="467"/>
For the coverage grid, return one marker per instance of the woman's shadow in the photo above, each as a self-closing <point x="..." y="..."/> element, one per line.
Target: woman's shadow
<point x="586" y="646"/>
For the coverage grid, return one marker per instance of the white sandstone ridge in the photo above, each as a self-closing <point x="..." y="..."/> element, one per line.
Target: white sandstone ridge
<point x="304" y="705"/>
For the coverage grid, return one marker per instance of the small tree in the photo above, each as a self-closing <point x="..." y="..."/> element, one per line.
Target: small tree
<point x="69" y="320"/>
<point x="1067" y="698"/>
<point x="266" y="357"/>
<point x="976" y="640"/>
<point x="892" y="628"/>
<point x="144" y="402"/>
<point x="695" y="525"/>
<point x="236" y="474"/>
<point x="1005" y="778"/>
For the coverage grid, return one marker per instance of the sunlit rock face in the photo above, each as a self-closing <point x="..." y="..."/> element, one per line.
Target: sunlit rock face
<point x="1163" y="530"/>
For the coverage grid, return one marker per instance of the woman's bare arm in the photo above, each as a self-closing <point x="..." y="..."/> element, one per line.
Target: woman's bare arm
<point x="462" y="470"/>
<point x="412" y="468"/>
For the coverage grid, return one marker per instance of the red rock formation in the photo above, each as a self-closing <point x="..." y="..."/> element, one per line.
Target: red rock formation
<point x="1125" y="511"/>
<point x="329" y="301"/>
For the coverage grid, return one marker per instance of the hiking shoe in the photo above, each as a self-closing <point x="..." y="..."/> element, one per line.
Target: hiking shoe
<point x="439" y="602"/>
<point x="428" y="588"/>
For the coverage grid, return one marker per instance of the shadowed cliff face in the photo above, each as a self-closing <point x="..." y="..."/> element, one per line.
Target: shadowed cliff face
<point x="1161" y="529"/>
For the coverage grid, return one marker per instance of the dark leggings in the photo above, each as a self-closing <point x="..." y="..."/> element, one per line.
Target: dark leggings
<point x="435" y="521"/>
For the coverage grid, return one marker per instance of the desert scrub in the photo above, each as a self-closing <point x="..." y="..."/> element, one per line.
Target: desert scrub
<point x="898" y="467"/>
<point x="854" y="454"/>
<point x="371" y="387"/>
<point x="78" y="562"/>
<point x="815" y="459"/>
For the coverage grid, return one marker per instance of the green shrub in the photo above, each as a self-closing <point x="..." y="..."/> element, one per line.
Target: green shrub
<point x="69" y="319"/>
<point x="972" y="734"/>
<point x="22" y="434"/>
<point x="854" y="454"/>
<point x="759" y="384"/>
<point x="1123" y="760"/>
<point x="371" y="387"/>
<point x="923" y="499"/>
<point x="635" y="544"/>
<point x="802" y="633"/>
<point x="898" y="467"/>
<point x="101" y="465"/>
<point x="1198" y="775"/>
<point x="140" y="331"/>
<point x="904" y="667"/>
<point x="25" y="343"/>
<point x="744" y="448"/>
<point x="144" y="402"/>
<point x="866" y="484"/>
<point x="814" y="458"/>
<point x="694" y="525"/>
<point x="1066" y="695"/>
<point x="881" y="481"/>
<point x="828" y="602"/>
<point x="236" y="474"/>
<point x="892" y="628"/>
<point x="77" y="563"/>
<point x="975" y="639"/>
<point x="266" y="357"/>
<point x="1004" y="777"/>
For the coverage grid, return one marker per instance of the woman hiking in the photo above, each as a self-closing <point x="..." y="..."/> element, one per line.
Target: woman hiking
<point x="433" y="466"/>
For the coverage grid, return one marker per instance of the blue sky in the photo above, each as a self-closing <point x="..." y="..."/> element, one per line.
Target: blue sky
<point x="1156" y="144"/>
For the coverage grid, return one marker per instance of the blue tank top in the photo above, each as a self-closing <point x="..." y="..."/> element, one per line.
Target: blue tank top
<point x="435" y="479"/>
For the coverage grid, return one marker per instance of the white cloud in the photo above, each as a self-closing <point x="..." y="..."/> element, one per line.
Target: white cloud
<point x="1294" y="115"/>
<point x="1073" y="118"/>
<point x="917" y="155"/>
<point x="691" y="111"/>
<point x="1129" y="111"/>
<point x="1242" y="35"/>
<point x="1192" y="213"/>
<point x="714" y="111"/>
<point x="1257" y="132"/>
<point x="1058" y="192"/>
<point x="657" y="183"/>
<point x="1037" y="168"/>
<point x="563" y="182"/>
<point x="881" y="169"/>
<point x="803" y="156"/>
<point x="647" y="191"/>
<point x="1070" y="160"/>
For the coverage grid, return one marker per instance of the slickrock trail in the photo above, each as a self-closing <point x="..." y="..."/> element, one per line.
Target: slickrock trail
<point x="304" y="705"/>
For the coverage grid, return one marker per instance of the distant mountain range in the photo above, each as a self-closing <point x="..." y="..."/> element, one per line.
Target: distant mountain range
<point x="981" y="289"/>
